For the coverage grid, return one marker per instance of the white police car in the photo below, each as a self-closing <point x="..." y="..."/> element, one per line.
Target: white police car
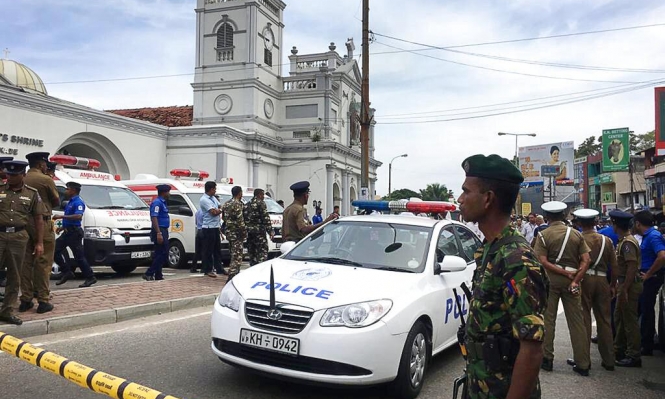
<point x="363" y="300"/>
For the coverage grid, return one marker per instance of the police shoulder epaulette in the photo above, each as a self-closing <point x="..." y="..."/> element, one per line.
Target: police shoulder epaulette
<point x="30" y="188"/>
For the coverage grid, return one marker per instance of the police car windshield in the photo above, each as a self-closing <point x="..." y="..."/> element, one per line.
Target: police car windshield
<point x="271" y="204"/>
<point x="107" y="197"/>
<point x="368" y="244"/>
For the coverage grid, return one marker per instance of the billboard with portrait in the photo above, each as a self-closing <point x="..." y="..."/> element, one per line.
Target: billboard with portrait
<point x="562" y="154"/>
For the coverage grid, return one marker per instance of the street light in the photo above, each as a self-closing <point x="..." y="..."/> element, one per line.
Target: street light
<point x="516" y="136"/>
<point x="390" y="170"/>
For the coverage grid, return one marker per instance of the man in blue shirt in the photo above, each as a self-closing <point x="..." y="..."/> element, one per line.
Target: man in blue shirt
<point x="198" y="216"/>
<point x="210" y="226"/>
<point x="72" y="237"/>
<point x="653" y="259"/>
<point x="159" y="234"/>
<point x="316" y="219"/>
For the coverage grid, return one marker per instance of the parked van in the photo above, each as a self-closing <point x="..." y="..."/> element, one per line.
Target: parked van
<point x="116" y="222"/>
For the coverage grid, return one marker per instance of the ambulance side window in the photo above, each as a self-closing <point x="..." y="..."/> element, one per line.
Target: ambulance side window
<point x="174" y="202"/>
<point x="448" y="243"/>
<point x="61" y="194"/>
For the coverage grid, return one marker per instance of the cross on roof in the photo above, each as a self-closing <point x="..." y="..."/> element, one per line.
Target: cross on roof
<point x="6" y="51"/>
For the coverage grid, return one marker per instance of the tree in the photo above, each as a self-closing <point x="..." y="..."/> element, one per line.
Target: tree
<point x="639" y="143"/>
<point x="590" y="146"/>
<point x="403" y="193"/>
<point x="435" y="192"/>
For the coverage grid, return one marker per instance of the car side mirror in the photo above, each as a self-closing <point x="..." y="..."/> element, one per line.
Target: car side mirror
<point x="450" y="263"/>
<point x="185" y="211"/>
<point x="287" y="246"/>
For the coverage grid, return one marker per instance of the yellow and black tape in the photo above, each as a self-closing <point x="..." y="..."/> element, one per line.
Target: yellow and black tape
<point x="79" y="374"/>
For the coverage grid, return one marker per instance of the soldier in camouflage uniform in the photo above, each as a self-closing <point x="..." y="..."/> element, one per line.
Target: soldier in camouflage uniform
<point x="236" y="232"/>
<point x="505" y="328"/>
<point x="258" y="225"/>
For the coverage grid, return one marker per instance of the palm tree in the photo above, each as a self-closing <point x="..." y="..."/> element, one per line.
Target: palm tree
<point x="435" y="192"/>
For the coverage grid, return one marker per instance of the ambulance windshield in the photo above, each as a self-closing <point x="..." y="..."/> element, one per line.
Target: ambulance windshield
<point x="107" y="197"/>
<point x="273" y="206"/>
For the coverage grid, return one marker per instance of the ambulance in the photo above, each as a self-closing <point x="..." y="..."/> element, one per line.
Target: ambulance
<point x="116" y="222"/>
<point x="187" y="188"/>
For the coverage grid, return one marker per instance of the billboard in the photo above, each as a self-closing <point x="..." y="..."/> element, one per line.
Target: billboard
<point x="616" y="150"/>
<point x="660" y="121"/>
<point x="533" y="158"/>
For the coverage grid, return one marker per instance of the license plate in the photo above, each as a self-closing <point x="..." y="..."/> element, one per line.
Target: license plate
<point x="140" y="255"/>
<point x="275" y="343"/>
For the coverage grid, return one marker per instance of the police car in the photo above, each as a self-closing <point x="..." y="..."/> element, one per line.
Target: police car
<point x="363" y="300"/>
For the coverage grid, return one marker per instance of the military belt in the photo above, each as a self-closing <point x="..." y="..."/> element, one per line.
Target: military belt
<point x="568" y="268"/>
<point x="596" y="273"/>
<point x="11" y="229"/>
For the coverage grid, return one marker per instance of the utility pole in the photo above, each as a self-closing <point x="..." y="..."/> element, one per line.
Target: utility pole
<point x="365" y="119"/>
<point x="630" y="174"/>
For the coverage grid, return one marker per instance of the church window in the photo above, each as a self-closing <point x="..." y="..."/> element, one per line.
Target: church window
<point x="267" y="57"/>
<point x="225" y="36"/>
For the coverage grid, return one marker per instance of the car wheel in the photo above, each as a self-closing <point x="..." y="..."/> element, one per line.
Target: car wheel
<point x="413" y="363"/>
<point x="176" y="257"/>
<point x="123" y="269"/>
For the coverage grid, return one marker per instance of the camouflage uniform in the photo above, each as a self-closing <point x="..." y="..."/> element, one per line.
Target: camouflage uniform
<point x="258" y="225"/>
<point x="236" y="233"/>
<point x="508" y="313"/>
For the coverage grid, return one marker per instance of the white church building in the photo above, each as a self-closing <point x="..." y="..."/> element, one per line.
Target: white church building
<point x="255" y="120"/>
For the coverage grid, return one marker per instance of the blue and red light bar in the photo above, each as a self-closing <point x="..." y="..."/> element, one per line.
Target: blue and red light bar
<point x="406" y="206"/>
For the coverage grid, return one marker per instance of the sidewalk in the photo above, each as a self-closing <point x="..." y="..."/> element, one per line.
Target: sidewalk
<point x="86" y="307"/>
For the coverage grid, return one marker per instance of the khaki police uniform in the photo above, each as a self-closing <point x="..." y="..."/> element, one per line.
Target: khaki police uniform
<point x="16" y="210"/>
<point x="293" y="222"/>
<point x="549" y="243"/>
<point x="596" y="293"/>
<point x="628" y="339"/>
<point x="36" y="273"/>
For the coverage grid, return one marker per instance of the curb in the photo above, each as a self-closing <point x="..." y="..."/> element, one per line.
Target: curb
<point x="107" y="316"/>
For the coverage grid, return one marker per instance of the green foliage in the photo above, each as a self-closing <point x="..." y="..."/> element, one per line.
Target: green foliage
<point x="590" y="146"/>
<point x="435" y="192"/>
<point x="403" y="193"/>
<point x="639" y="143"/>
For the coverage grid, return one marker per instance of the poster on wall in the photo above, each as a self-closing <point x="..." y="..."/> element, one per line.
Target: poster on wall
<point x="533" y="158"/>
<point x="616" y="150"/>
<point x="660" y="120"/>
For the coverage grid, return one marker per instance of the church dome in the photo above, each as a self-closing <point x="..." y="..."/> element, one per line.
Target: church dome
<point x="21" y="76"/>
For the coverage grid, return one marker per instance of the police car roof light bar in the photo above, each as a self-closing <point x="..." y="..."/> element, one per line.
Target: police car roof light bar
<point x="70" y="160"/>
<point x="197" y="174"/>
<point x="406" y="206"/>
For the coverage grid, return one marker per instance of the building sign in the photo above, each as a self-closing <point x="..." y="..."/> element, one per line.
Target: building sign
<point x="616" y="150"/>
<point x="660" y="121"/>
<point x="532" y="158"/>
<point x="9" y="143"/>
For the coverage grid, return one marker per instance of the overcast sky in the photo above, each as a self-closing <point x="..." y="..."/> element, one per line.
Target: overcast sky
<point x="74" y="40"/>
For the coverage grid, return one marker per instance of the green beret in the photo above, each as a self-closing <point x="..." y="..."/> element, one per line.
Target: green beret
<point x="492" y="167"/>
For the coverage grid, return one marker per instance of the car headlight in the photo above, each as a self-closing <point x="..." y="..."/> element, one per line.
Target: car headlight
<point x="356" y="314"/>
<point x="97" y="232"/>
<point x="229" y="298"/>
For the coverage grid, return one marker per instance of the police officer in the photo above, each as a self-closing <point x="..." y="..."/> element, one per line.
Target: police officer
<point x="505" y="328"/>
<point x="236" y="231"/>
<point x="159" y="233"/>
<point x="258" y="225"/>
<point x="3" y="177"/>
<point x="294" y="225"/>
<point x="596" y="289"/>
<point x="72" y="237"/>
<point x="18" y="204"/>
<point x="627" y="339"/>
<point x="36" y="271"/>
<point x="565" y="255"/>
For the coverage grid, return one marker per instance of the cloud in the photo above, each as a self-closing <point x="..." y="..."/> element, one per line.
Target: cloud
<point x="70" y="40"/>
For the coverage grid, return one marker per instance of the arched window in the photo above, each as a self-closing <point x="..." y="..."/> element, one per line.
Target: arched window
<point x="225" y="36"/>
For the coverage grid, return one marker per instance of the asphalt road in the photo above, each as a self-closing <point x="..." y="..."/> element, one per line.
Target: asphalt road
<point x="172" y="353"/>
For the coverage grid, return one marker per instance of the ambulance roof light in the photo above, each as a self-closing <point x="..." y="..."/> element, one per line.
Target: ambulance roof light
<point x="406" y="206"/>
<point x="70" y="160"/>
<point x="197" y="174"/>
<point x="226" y="180"/>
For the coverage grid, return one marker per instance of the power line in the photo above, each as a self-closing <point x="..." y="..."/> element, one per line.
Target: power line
<point x="503" y="70"/>
<point x="539" y="37"/>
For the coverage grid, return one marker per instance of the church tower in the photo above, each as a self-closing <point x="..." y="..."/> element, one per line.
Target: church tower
<point x="238" y="62"/>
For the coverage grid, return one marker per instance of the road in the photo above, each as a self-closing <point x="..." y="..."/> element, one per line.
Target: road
<point x="172" y="353"/>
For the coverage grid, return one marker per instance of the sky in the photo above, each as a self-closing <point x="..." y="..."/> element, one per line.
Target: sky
<point x="415" y="93"/>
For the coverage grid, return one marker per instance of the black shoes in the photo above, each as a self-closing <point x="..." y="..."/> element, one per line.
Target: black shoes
<point x="44" y="307"/>
<point x="65" y="277"/>
<point x="629" y="362"/>
<point x="88" y="282"/>
<point x="11" y="320"/>
<point x="570" y="362"/>
<point x="548" y="364"/>
<point x="25" y="306"/>
<point x="606" y="367"/>
<point x="594" y="339"/>
<point x="148" y="278"/>
<point x="581" y="371"/>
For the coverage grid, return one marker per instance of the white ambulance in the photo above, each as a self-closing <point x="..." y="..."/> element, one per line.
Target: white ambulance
<point x="187" y="188"/>
<point x="116" y="222"/>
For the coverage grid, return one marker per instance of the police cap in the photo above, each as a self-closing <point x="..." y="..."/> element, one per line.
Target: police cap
<point x="163" y="188"/>
<point x="3" y="159"/>
<point x="74" y="185"/>
<point x="586" y="213"/>
<point x="492" y="167"/>
<point x="51" y="166"/>
<point x="554" y="207"/>
<point x="620" y="215"/>
<point x="37" y="156"/>
<point x="301" y="187"/>
<point x="14" y="167"/>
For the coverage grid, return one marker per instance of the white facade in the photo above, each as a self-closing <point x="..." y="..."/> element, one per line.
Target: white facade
<point x="250" y="122"/>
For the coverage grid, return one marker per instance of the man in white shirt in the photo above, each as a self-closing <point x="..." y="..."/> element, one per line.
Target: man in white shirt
<point x="528" y="229"/>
